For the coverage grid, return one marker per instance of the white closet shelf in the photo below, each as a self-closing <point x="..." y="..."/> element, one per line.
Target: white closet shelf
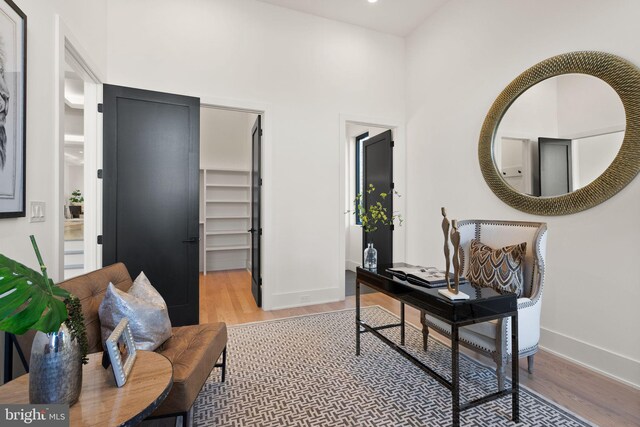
<point x="229" y="185"/>
<point x="228" y="248"/>
<point x="225" y="198"/>
<point x="229" y="170"/>
<point x="226" y="232"/>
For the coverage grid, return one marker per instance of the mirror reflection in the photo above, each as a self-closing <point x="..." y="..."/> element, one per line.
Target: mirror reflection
<point x="559" y="135"/>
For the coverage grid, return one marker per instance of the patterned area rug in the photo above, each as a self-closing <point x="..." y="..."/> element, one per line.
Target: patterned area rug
<point x="302" y="371"/>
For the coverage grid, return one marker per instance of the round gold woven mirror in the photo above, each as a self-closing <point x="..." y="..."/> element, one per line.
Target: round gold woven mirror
<point x="624" y="78"/>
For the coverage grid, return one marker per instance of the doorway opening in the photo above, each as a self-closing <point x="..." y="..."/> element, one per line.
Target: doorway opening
<point x="76" y="211"/>
<point x="357" y="136"/>
<point x="230" y="230"/>
<point x="73" y="172"/>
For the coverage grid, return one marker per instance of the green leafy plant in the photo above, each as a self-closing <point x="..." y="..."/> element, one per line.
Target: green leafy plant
<point x="375" y="214"/>
<point x="76" y="197"/>
<point x="31" y="301"/>
<point x="75" y="323"/>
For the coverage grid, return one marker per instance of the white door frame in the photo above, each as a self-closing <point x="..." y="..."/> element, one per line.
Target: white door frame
<point x="399" y="179"/>
<point x="268" y="247"/>
<point x="69" y="50"/>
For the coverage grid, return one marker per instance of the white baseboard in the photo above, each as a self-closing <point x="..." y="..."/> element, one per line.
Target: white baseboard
<point x="616" y="366"/>
<point x="302" y="298"/>
<point x="351" y="265"/>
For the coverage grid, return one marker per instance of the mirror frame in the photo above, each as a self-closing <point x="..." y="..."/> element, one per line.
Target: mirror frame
<point x="624" y="78"/>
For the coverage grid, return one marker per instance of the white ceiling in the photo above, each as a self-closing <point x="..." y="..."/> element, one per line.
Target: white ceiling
<point x="398" y="17"/>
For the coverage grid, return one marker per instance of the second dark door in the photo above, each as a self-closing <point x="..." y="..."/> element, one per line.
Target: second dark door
<point x="554" y="157"/>
<point x="151" y="164"/>
<point x="378" y="171"/>
<point x="256" y="224"/>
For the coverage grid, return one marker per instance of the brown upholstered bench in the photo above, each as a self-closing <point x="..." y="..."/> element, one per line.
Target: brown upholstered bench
<point x="193" y="350"/>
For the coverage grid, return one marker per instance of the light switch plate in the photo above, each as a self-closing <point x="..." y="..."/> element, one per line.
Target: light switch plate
<point x="36" y="214"/>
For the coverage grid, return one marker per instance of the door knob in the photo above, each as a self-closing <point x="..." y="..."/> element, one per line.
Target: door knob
<point x="251" y="230"/>
<point x="191" y="240"/>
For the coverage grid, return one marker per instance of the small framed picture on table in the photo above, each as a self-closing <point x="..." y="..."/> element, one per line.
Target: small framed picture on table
<point x="121" y="352"/>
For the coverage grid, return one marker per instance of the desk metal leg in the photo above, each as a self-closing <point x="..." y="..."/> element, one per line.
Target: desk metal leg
<point x="455" y="376"/>
<point x="357" y="318"/>
<point x="515" y="381"/>
<point x="401" y="323"/>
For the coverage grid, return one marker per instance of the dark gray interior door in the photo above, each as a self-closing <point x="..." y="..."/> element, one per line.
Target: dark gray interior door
<point x="151" y="164"/>
<point x="256" y="225"/>
<point x="378" y="171"/>
<point x="554" y="156"/>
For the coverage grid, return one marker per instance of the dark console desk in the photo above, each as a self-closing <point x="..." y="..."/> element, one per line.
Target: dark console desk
<point x="483" y="305"/>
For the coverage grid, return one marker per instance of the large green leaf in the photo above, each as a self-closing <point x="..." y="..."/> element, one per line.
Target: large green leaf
<point x="27" y="301"/>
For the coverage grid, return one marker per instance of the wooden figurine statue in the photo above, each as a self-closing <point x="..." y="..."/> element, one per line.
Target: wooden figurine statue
<point x="452" y="292"/>
<point x="455" y="240"/>
<point x="447" y="255"/>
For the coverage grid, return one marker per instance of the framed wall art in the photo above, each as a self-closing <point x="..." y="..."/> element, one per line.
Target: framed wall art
<point x="13" y="108"/>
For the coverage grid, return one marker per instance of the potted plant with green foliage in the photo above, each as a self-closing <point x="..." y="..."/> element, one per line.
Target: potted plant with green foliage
<point x="373" y="216"/>
<point x="76" y="200"/>
<point x="31" y="301"/>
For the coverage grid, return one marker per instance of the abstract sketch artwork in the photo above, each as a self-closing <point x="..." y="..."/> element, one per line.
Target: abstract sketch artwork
<point x="12" y="109"/>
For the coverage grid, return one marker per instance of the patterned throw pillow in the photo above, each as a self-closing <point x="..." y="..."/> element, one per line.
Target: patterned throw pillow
<point x="500" y="269"/>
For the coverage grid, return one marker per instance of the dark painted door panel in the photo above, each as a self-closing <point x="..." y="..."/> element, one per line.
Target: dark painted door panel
<point x="151" y="164"/>
<point x="378" y="171"/>
<point x="256" y="224"/>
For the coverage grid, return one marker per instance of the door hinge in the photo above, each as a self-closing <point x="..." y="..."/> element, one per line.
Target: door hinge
<point x="393" y="144"/>
<point x="99" y="173"/>
<point x="393" y="185"/>
<point x="260" y="232"/>
<point x="393" y="227"/>
<point x="260" y="132"/>
<point x="100" y="108"/>
<point x="260" y="181"/>
<point x="100" y="239"/>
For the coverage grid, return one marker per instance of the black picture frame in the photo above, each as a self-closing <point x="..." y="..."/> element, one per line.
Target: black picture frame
<point x="13" y="130"/>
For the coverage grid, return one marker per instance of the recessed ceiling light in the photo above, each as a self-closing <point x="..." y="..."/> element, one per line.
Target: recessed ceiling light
<point x="372" y="1"/>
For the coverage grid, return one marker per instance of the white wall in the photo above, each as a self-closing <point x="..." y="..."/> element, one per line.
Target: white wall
<point x="594" y="155"/>
<point x="308" y="71"/>
<point x="457" y="64"/>
<point x="353" y="241"/>
<point x="225" y="138"/>
<point x="86" y="20"/>
<point x="587" y="106"/>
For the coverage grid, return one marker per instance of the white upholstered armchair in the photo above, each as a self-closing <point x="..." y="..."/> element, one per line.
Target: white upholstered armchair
<point x="494" y="337"/>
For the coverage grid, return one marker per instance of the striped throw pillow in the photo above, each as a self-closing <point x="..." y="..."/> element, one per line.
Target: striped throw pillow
<point x="500" y="269"/>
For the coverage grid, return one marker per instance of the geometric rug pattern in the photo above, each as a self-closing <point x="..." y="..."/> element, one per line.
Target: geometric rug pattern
<point x="303" y="372"/>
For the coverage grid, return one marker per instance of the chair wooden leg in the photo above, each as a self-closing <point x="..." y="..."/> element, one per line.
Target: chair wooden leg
<point x="530" y="363"/>
<point x="425" y="331"/>
<point x="501" y="366"/>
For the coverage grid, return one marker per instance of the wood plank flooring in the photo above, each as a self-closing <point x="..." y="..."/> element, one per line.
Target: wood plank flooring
<point x="226" y="297"/>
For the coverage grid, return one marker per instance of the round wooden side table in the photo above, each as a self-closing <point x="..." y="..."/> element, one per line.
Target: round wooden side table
<point x="101" y="403"/>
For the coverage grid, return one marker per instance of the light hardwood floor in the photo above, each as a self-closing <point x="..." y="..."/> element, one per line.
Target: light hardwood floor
<point x="226" y="297"/>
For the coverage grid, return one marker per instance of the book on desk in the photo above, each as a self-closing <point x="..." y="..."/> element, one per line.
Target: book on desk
<point x="429" y="277"/>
